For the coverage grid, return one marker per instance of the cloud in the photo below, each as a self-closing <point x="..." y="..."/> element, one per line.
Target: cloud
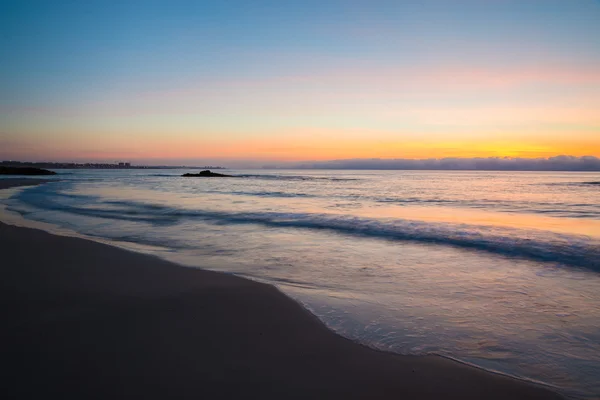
<point x="558" y="163"/>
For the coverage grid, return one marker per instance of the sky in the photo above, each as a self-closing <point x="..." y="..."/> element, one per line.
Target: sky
<point x="175" y="82"/>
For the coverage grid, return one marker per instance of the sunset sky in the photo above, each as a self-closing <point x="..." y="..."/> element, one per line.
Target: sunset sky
<point x="178" y="81"/>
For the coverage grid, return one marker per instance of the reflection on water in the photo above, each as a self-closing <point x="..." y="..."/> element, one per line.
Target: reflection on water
<point x="575" y="226"/>
<point x="501" y="270"/>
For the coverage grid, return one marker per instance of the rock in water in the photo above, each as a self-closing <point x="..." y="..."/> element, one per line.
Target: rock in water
<point x="207" y="173"/>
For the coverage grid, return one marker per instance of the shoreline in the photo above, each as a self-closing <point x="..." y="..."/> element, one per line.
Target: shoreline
<point x="101" y="321"/>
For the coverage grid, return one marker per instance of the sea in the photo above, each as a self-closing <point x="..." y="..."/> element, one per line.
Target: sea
<point x="500" y="270"/>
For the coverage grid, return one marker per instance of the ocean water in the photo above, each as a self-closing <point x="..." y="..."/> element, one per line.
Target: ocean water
<point x="496" y="269"/>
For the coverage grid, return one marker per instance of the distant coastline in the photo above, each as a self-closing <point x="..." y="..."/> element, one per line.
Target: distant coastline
<point x="510" y="164"/>
<point x="117" y="165"/>
<point x="24" y="171"/>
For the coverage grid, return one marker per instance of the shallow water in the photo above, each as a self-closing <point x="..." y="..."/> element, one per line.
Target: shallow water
<point x="498" y="269"/>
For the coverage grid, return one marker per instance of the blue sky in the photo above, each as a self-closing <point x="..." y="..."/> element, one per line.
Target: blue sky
<point x="79" y="75"/>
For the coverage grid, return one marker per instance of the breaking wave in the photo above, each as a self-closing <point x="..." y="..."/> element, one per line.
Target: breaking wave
<point x="570" y="250"/>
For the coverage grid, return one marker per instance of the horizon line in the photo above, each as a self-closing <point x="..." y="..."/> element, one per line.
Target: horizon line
<point x="507" y="163"/>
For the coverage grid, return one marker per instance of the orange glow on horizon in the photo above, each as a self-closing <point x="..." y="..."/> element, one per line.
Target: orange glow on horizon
<point x="320" y="149"/>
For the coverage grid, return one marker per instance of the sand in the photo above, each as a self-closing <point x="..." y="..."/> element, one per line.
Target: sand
<point x="87" y="320"/>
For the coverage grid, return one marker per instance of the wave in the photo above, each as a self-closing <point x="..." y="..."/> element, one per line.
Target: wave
<point x="571" y="250"/>
<point x="261" y="193"/>
<point x="270" y="177"/>
<point x="297" y="178"/>
<point x="572" y="183"/>
<point x="567" y="210"/>
<point x="556" y="209"/>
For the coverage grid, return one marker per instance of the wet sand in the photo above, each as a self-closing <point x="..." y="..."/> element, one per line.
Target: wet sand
<point x="87" y="320"/>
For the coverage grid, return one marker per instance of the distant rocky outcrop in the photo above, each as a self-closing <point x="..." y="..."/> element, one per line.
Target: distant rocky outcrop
<point x="24" y="171"/>
<point x="208" y="174"/>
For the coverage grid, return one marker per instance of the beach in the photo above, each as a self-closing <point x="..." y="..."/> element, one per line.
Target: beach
<point x="87" y="320"/>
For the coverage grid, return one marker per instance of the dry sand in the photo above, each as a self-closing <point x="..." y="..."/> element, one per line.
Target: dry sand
<point x="86" y="320"/>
